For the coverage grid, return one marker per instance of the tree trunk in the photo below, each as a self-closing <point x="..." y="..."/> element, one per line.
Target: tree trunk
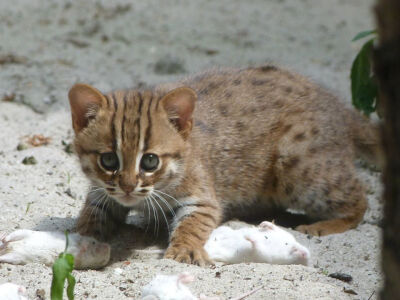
<point x="387" y="69"/>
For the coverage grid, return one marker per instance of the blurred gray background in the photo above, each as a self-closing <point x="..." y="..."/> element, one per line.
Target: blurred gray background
<point x="46" y="46"/>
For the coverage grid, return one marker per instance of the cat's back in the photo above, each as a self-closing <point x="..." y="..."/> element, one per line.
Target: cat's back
<point x="247" y="93"/>
<point x="251" y="102"/>
<point x="247" y="121"/>
<point x="253" y="108"/>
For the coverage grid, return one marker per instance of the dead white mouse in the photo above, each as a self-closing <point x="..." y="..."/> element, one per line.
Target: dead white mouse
<point x="11" y="291"/>
<point x="173" y="287"/>
<point x="26" y="246"/>
<point x="169" y="287"/>
<point x="266" y="243"/>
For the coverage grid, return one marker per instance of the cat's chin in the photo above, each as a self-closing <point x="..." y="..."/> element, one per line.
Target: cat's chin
<point x="129" y="201"/>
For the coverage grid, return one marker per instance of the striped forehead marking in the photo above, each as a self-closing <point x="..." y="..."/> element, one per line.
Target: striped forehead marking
<point x="131" y="122"/>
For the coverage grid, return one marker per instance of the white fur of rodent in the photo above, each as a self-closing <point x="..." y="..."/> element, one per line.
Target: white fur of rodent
<point x="169" y="287"/>
<point x="11" y="291"/>
<point x="26" y="246"/>
<point x="266" y="243"/>
<point x="173" y="287"/>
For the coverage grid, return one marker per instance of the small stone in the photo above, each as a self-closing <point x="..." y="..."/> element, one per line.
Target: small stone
<point x="70" y="193"/>
<point x="40" y="293"/>
<point x="288" y="278"/>
<point x="22" y="146"/>
<point x="8" y="97"/>
<point x="118" y="271"/>
<point x="29" y="160"/>
<point x="341" y="276"/>
<point x="68" y="147"/>
<point x="169" y="65"/>
<point x="349" y="291"/>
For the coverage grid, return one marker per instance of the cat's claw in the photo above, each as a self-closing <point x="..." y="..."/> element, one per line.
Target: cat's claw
<point x="188" y="255"/>
<point x="313" y="229"/>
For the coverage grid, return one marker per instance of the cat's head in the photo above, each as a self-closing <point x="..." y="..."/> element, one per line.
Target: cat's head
<point x="129" y="142"/>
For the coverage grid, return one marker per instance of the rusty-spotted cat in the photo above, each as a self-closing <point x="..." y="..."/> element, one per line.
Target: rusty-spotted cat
<point x="217" y="143"/>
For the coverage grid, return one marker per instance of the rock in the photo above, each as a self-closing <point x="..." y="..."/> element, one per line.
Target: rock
<point x="29" y="160"/>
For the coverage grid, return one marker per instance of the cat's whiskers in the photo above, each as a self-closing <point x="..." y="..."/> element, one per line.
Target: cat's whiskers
<point x="148" y="213"/>
<point x="162" y="211"/>
<point x="98" y="210"/>
<point x="155" y="214"/>
<point x="95" y="208"/>
<point x="102" y="211"/>
<point x="180" y="204"/>
<point x="95" y="188"/>
<point x="110" y="202"/>
<point x="165" y="202"/>
<point x="92" y="207"/>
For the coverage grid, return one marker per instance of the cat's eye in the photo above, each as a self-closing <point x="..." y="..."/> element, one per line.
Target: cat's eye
<point x="149" y="162"/>
<point x="109" y="161"/>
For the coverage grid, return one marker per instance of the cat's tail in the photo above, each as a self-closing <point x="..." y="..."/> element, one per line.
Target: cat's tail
<point x="366" y="136"/>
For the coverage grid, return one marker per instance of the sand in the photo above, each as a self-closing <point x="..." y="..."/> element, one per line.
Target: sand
<point x="46" y="46"/>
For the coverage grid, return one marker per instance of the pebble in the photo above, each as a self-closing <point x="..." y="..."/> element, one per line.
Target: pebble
<point x="118" y="271"/>
<point x="341" y="276"/>
<point x="29" y="160"/>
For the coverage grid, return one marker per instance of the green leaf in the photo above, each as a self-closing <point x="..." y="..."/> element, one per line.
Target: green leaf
<point x="363" y="86"/>
<point x="71" y="285"/>
<point x="363" y="34"/>
<point x="62" y="270"/>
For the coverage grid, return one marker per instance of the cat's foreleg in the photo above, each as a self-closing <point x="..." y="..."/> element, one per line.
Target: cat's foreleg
<point x="100" y="216"/>
<point x="193" y="225"/>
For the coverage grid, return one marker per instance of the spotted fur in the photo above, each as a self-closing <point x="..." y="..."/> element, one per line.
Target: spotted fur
<point x="225" y="139"/>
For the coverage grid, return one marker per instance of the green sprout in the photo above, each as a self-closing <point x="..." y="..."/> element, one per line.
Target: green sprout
<point x="62" y="270"/>
<point x="28" y="206"/>
<point x="69" y="177"/>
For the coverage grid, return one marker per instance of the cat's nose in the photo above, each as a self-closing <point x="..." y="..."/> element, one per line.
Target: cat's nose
<point x="127" y="189"/>
<point x="127" y="183"/>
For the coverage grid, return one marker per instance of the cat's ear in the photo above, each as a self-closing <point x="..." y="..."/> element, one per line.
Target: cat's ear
<point x="84" y="100"/>
<point x="179" y="105"/>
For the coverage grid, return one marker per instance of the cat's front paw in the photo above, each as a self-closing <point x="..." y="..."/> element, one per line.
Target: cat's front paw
<point x="188" y="254"/>
<point x="314" y="229"/>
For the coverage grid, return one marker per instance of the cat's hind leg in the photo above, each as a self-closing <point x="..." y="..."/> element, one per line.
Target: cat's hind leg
<point x="341" y="201"/>
<point x="328" y="190"/>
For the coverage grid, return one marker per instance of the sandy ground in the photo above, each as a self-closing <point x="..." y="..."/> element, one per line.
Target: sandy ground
<point x="46" y="46"/>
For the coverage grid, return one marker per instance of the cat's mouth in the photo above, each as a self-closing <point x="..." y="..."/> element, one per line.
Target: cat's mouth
<point x="129" y="200"/>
